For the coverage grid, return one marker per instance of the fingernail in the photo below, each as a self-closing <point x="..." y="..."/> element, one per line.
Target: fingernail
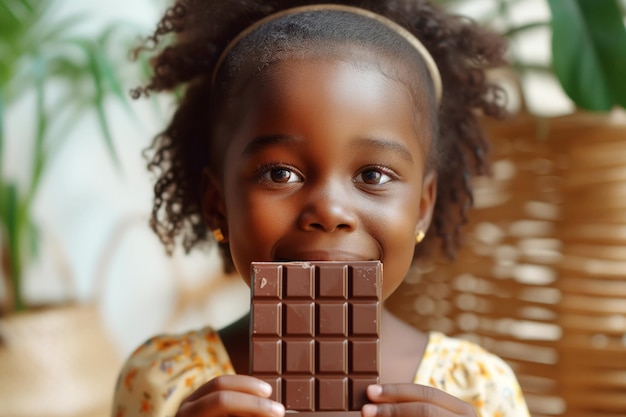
<point x="278" y="409"/>
<point x="369" y="410"/>
<point x="374" y="391"/>
<point x="265" y="388"/>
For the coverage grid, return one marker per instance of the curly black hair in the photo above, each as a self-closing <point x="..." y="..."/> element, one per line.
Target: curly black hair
<point x="192" y="35"/>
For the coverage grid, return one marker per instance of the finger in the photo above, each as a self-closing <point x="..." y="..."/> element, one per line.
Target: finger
<point x="399" y="393"/>
<point x="231" y="403"/>
<point x="408" y="409"/>
<point x="240" y="383"/>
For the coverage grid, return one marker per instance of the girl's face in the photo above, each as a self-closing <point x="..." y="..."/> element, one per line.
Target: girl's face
<point x="328" y="163"/>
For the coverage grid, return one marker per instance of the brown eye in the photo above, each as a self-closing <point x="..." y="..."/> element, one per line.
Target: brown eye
<point x="373" y="177"/>
<point x="281" y="175"/>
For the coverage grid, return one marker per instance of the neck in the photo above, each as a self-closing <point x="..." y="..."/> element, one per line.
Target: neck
<point x="401" y="349"/>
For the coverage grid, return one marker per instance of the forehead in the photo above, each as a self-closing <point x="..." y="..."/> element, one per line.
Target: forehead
<point x="354" y="83"/>
<point x="357" y="76"/>
<point x="335" y="69"/>
<point x="407" y="70"/>
<point x="348" y="98"/>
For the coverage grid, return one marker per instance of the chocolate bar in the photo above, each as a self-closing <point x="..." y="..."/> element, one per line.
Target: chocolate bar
<point x="315" y="332"/>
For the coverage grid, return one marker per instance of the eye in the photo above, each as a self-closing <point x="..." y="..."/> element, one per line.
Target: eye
<point x="373" y="176"/>
<point x="281" y="175"/>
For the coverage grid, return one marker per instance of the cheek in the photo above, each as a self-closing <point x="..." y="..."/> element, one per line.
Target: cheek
<point x="398" y="240"/>
<point x="397" y="261"/>
<point x="255" y="224"/>
<point x="401" y="216"/>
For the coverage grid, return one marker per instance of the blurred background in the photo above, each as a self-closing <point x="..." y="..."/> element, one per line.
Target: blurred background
<point x="75" y="196"/>
<point x="94" y="195"/>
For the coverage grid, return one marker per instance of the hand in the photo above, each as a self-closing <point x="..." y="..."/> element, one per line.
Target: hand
<point x="231" y="395"/>
<point x="412" y="400"/>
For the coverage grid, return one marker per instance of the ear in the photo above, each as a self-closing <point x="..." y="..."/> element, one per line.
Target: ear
<point x="427" y="202"/>
<point x="213" y="205"/>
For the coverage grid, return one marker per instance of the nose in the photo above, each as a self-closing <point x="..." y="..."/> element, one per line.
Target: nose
<point x="328" y="208"/>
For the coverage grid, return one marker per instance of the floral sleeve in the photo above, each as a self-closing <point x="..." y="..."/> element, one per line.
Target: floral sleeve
<point x="472" y="374"/>
<point x="165" y="370"/>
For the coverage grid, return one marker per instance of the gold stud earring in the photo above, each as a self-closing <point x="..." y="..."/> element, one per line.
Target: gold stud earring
<point x="420" y="236"/>
<point x="218" y="235"/>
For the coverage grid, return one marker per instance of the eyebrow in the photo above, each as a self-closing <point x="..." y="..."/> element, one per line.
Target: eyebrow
<point x="384" y="145"/>
<point x="261" y="142"/>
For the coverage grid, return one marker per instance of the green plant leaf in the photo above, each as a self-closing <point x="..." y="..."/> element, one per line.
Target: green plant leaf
<point x="17" y="9"/>
<point x="3" y="187"/>
<point x="589" y="52"/>
<point x="3" y="208"/>
<point x="39" y="157"/>
<point x="107" y="69"/>
<point x="20" y="21"/>
<point x="13" y="225"/>
<point x="34" y="238"/>
<point x="90" y="49"/>
<point x="514" y="31"/>
<point x="1" y="134"/>
<point x="63" y="26"/>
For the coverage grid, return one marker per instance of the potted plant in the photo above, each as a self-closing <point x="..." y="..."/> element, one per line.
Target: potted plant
<point x="69" y="75"/>
<point x="62" y="354"/>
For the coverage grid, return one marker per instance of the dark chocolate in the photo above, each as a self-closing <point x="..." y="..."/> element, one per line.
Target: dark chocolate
<point x="315" y="332"/>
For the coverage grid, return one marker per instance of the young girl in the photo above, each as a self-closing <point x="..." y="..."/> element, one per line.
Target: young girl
<point x="319" y="132"/>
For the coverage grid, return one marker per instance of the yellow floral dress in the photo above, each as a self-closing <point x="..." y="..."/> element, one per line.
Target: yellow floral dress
<point x="158" y="376"/>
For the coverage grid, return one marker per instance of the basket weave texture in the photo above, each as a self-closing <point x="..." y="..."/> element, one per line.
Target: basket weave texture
<point x="56" y="362"/>
<point x="541" y="280"/>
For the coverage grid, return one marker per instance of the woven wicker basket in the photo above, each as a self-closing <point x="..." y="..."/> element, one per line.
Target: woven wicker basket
<point x="541" y="280"/>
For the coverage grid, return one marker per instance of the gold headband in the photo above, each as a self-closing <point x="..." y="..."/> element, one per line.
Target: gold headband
<point x="431" y="66"/>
